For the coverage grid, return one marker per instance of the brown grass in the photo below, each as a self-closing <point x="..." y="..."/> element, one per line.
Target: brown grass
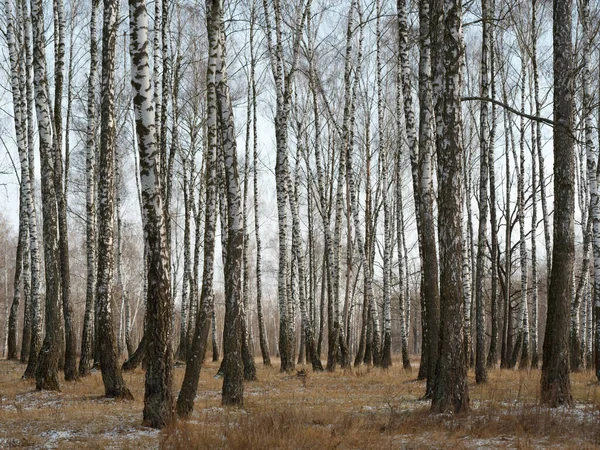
<point x="359" y="409"/>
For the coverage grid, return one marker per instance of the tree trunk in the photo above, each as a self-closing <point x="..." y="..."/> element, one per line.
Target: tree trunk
<point x="423" y="171"/>
<point x="555" y="382"/>
<point x="538" y="113"/>
<point x="283" y="77"/>
<point x="233" y="335"/>
<point x="158" y="395"/>
<point x="32" y="329"/>
<point x="506" y="348"/>
<point x="386" y="350"/>
<point x="451" y="392"/>
<point x="46" y="372"/>
<point x="197" y="350"/>
<point x="492" y="357"/>
<point x="247" y="354"/>
<point x="262" y="332"/>
<point x="404" y="100"/>
<point x="524" y="310"/>
<point x="22" y="269"/>
<point x="484" y="147"/>
<point x="534" y="273"/>
<point x="114" y="385"/>
<point x="187" y="271"/>
<point x="87" y="339"/>
<point x="70" y="342"/>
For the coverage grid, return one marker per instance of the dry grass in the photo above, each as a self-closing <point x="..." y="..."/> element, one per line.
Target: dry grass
<point x="364" y="408"/>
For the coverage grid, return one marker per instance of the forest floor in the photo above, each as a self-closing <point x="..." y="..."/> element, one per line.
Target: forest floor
<point x="364" y="408"/>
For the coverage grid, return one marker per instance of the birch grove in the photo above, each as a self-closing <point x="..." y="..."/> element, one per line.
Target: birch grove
<point x="309" y="185"/>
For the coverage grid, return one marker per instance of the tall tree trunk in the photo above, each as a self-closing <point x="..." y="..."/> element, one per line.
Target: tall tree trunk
<point x="158" y="395"/>
<point x="262" y="332"/>
<point x="22" y="269"/>
<point x="534" y="273"/>
<point x="87" y="338"/>
<point x="70" y="341"/>
<point x="484" y="147"/>
<point x="423" y="185"/>
<point x="247" y="354"/>
<point x="524" y="318"/>
<point x="187" y="271"/>
<point x="233" y="335"/>
<point x="32" y="329"/>
<point x="492" y="358"/>
<point x="505" y="344"/>
<point x="451" y="392"/>
<point x="46" y="372"/>
<point x="114" y="385"/>
<point x="404" y="100"/>
<point x="555" y="382"/>
<point x="283" y="75"/>
<point x="197" y="349"/>
<point x="386" y="351"/>
<point x="592" y="166"/>
<point x="538" y="113"/>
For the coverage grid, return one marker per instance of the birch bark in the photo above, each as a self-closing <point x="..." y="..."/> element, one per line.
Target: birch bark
<point x="46" y="371"/>
<point x="555" y="381"/>
<point x="158" y="395"/>
<point x="451" y="392"/>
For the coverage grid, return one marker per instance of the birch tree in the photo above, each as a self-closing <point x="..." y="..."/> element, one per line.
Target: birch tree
<point x="492" y="358"/>
<point x="283" y="75"/>
<point x="46" y="372"/>
<point x="22" y="272"/>
<point x="404" y="109"/>
<point x="262" y="333"/>
<point x="523" y="336"/>
<point x="32" y="322"/>
<point x="114" y="385"/>
<point x="422" y="170"/>
<point x="386" y="350"/>
<point x="538" y="108"/>
<point x="87" y="338"/>
<point x="158" y="395"/>
<point x="555" y="381"/>
<point x="451" y="391"/>
<point x="592" y="162"/>
<point x="233" y="386"/>
<point x="197" y="350"/>
<point x="484" y="148"/>
<point x="70" y="341"/>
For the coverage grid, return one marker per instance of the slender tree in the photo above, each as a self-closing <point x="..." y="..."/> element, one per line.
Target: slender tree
<point x="87" y="339"/>
<point x="32" y="323"/>
<point x="158" y="395"/>
<point x="46" y="372"/>
<point x="233" y="335"/>
<point x="114" y="385"/>
<point x="197" y="350"/>
<point x="540" y="154"/>
<point x="422" y="170"/>
<point x="386" y="350"/>
<point x="523" y="335"/>
<point x="70" y="340"/>
<point x="404" y="109"/>
<point x="492" y="358"/>
<point x="484" y="148"/>
<point x="262" y="332"/>
<point x="22" y="272"/>
<point x="283" y="75"/>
